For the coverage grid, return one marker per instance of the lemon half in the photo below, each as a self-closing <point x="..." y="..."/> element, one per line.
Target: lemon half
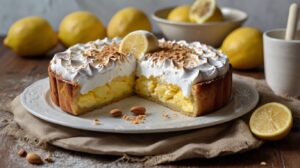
<point x="138" y="43"/>
<point x="272" y="121"/>
<point x="203" y="11"/>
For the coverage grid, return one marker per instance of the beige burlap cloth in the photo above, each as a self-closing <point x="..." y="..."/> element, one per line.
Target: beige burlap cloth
<point x="229" y="138"/>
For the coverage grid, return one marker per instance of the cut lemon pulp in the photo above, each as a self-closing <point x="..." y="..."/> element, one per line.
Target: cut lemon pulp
<point x="138" y="43"/>
<point x="203" y="11"/>
<point x="271" y="121"/>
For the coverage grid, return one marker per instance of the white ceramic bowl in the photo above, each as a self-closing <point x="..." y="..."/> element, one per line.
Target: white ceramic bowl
<point x="209" y="33"/>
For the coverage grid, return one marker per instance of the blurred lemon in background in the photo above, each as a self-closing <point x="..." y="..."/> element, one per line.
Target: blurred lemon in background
<point x="203" y="11"/>
<point x="244" y="48"/>
<point x="80" y="27"/>
<point x="180" y="14"/>
<point x="127" y="20"/>
<point x="31" y="36"/>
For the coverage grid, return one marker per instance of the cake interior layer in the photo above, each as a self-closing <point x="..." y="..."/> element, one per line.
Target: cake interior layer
<point x="117" y="89"/>
<point x="165" y="93"/>
<point x="151" y="88"/>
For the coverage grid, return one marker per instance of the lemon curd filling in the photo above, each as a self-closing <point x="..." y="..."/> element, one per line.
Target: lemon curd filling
<point x="163" y="92"/>
<point x="124" y="86"/>
<point x="117" y="89"/>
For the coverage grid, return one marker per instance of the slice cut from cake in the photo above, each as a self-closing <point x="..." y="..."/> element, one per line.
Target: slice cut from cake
<point x="191" y="78"/>
<point x="88" y="76"/>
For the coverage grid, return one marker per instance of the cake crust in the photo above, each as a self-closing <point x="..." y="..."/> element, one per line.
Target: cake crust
<point x="212" y="95"/>
<point x="62" y="92"/>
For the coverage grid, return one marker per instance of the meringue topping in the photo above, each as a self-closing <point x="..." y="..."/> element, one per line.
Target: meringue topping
<point x="93" y="64"/>
<point x="181" y="55"/>
<point x="96" y="63"/>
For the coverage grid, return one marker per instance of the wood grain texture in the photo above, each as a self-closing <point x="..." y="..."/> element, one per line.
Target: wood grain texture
<point x="17" y="73"/>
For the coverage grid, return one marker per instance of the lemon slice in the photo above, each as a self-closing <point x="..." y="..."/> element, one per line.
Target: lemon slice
<point x="138" y="43"/>
<point x="205" y="11"/>
<point x="271" y="121"/>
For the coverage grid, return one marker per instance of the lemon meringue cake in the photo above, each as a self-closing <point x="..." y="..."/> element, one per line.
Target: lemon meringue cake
<point x="191" y="78"/>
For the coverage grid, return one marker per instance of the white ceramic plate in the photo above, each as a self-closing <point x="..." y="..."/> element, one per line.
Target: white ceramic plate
<point x="36" y="100"/>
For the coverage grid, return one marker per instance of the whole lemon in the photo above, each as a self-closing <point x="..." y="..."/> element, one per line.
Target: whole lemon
<point x="80" y="27"/>
<point x="244" y="48"/>
<point x="127" y="20"/>
<point x="180" y="14"/>
<point x="31" y="36"/>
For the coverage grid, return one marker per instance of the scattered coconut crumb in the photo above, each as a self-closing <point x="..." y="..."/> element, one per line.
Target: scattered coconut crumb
<point x="96" y="121"/>
<point x="263" y="163"/>
<point x="49" y="158"/>
<point x="128" y="117"/>
<point x="22" y="153"/>
<point x="134" y="119"/>
<point x="166" y="116"/>
<point x="139" y="119"/>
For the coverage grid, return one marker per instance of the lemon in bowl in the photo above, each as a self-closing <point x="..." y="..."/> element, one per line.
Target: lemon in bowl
<point x="127" y="20"/>
<point x="31" y="36"/>
<point x="80" y="27"/>
<point x="211" y="33"/>
<point x="180" y="14"/>
<point x="204" y="11"/>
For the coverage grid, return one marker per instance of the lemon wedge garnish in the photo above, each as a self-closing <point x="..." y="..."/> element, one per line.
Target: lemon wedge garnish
<point x="203" y="11"/>
<point x="138" y="42"/>
<point x="271" y="121"/>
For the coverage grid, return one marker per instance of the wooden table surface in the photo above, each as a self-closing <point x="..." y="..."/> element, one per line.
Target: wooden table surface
<point x="17" y="73"/>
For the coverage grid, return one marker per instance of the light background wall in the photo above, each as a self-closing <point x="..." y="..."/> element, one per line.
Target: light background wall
<point x="264" y="14"/>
